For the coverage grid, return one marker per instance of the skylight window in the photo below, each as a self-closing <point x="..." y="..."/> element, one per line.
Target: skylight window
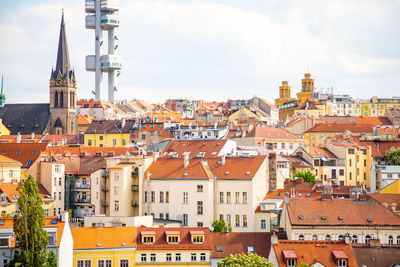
<point x="308" y="195"/>
<point x="340" y="218"/>
<point x="323" y="218"/>
<point x="301" y="217"/>
<point x="300" y="194"/>
<point x="219" y="249"/>
<point x="250" y="249"/>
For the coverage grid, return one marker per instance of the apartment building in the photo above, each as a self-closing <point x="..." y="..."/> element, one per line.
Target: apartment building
<point x="104" y="247"/>
<point x="328" y="218"/>
<point x="109" y="133"/>
<point x="357" y="160"/>
<point x="59" y="236"/>
<point x="173" y="246"/>
<point x="10" y="170"/>
<point x="200" y="190"/>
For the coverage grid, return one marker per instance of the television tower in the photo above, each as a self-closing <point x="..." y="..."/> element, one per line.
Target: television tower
<point x="103" y="16"/>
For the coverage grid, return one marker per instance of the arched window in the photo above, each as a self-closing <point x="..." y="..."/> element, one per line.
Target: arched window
<point x="398" y="240"/>
<point x="61" y="99"/>
<point x="56" y="99"/>
<point x="341" y="238"/>
<point x="328" y="238"/>
<point x="314" y="237"/>
<point x="301" y="237"/>
<point x="367" y="239"/>
<point x="390" y="239"/>
<point x="354" y="239"/>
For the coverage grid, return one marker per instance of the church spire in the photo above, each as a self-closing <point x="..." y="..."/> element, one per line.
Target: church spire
<point x="62" y="64"/>
<point x="2" y="94"/>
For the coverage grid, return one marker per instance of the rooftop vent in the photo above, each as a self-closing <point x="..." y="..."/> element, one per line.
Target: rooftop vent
<point x="123" y="244"/>
<point x="340" y="218"/>
<point x="247" y="173"/>
<point x="369" y="220"/>
<point x="185" y="174"/>
<point x="301" y="217"/>
<point x="226" y="173"/>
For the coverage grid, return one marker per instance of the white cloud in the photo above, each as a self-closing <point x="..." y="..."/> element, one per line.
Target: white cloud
<point x="213" y="49"/>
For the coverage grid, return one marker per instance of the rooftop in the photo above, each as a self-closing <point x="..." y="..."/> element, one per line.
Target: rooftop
<point x="108" y="237"/>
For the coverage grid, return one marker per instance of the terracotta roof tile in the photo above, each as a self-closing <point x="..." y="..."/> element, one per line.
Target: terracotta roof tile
<point x="209" y="147"/>
<point x="106" y="151"/>
<point x="311" y="252"/>
<point x="272" y="133"/>
<point x="344" y="212"/>
<point x="108" y="237"/>
<point x="185" y="243"/>
<point x="237" y="243"/>
<point x="317" y="152"/>
<point x="341" y="127"/>
<point x="22" y="152"/>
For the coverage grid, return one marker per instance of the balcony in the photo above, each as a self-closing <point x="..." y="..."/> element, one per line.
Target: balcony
<point x="81" y="201"/>
<point x="80" y="187"/>
<point x="109" y="21"/>
<point x="90" y="21"/>
<point x="90" y="6"/>
<point x="135" y="188"/>
<point x="134" y="203"/>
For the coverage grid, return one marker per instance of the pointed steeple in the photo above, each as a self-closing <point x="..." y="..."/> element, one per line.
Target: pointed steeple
<point x="62" y="64"/>
<point x="2" y="94"/>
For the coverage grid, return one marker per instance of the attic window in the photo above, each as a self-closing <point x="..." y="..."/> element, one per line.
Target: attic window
<point x="226" y="173"/>
<point x="369" y="220"/>
<point x="308" y="195"/>
<point x="99" y="244"/>
<point x="278" y="194"/>
<point x="54" y="221"/>
<point x="219" y="249"/>
<point x="301" y="217"/>
<point x="34" y="152"/>
<point x="300" y="194"/>
<point x="340" y="218"/>
<point x="3" y="153"/>
<point x="29" y="163"/>
<point x="17" y="153"/>
<point x="247" y="173"/>
<point x="323" y="218"/>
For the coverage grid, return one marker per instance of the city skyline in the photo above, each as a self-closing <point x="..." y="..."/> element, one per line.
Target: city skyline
<point x="224" y="49"/>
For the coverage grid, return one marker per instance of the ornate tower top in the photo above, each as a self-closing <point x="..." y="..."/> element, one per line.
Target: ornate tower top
<point x="63" y="67"/>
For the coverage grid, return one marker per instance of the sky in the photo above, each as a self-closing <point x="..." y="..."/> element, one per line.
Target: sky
<point x="210" y="49"/>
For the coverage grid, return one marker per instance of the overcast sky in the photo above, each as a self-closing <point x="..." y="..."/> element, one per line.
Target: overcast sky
<point x="210" y="49"/>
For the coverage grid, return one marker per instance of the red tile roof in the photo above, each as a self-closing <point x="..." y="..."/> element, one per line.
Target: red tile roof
<point x="341" y="127"/>
<point x="209" y="147"/>
<point x="340" y="212"/>
<point x="311" y="252"/>
<point x="185" y="242"/>
<point x="234" y="168"/>
<point x="106" y="151"/>
<point x="22" y="152"/>
<point x="379" y="148"/>
<point x="238" y="243"/>
<point x="316" y="152"/>
<point x="272" y="133"/>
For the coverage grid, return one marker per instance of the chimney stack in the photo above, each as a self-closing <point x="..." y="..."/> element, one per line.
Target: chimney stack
<point x="274" y="238"/>
<point x="223" y="158"/>
<point x="32" y="135"/>
<point x="19" y="137"/>
<point x="185" y="160"/>
<point x="123" y="122"/>
<point x="155" y="156"/>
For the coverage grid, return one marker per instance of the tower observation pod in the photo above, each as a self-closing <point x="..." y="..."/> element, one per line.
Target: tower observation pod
<point x="102" y="15"/>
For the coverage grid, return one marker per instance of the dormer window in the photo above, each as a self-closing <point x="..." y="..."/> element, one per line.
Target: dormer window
<point x="148" y="237"/>
<point x="342" y="262"/>
<point x="172" y="237"/>
<point x="197" y="237"/>
<point x="289" y="257"/>
<point x="340" y="257"/>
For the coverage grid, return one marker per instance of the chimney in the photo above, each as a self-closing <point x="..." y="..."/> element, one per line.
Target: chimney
<point x="99" y="153"/>
<point x="19" y="137"/>
<point x="347" y="238"/>
<point x="82" y="154"/>
<point x="123" y="122"/>
<point x="274" y="238"/>
<point x="286" y="198"/>
<point x="155" y="156"/>
<point x="32" y="135"/>
<point x="223" y="160"/>
<point x="65" y="216"/>
<point x="185" y="160"/>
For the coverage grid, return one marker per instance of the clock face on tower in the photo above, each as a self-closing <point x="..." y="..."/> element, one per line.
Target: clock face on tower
<point x="58" y="81"/>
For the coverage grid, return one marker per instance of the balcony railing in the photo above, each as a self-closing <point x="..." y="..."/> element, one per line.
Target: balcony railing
<point x="81" y="200"/>
<point x="135" y="188"/>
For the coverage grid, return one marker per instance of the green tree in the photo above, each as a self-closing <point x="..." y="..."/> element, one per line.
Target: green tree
<point x="31" y="237"/>
<point x="51" y="259"/>
<point x="393" y="156"/>
<point x="249" y="260"/>
<point x="220" y="226"/>
<point x="304" y="264"/>
<point x="306" y="176"/>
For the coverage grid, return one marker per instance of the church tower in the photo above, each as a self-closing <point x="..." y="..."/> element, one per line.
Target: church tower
<point x="63" y="118"/>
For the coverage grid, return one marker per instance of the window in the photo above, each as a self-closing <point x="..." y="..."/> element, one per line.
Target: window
<point x="116" y="190"/>
<point x="116" y="176"/>
<point x="390" y="239"/>
<point x="301" y="237"/>
<point x="342" y="262"/>
<point x="167" y="216"/>
<point x="116" y="205"/>
<point x="291" y="262"/>
<point x="166" y="196"/>
<point x="365" y="163"/>
<point x="196" y="239"/>
<point x="55" y="181"/>
<point x="341" y="172"/>
<point x="83" y="263"/>
<point x="143" y="257"/>
<point x="351" y="175"/>
<point x="185" y="197"/>
<point x="59" y="196"/>
<point x="143" y="136"/>
<point x="168" y="257"/>
<point x="148" y="239"/>
<point x="314" y="237"/>
<point x="57" y="168"/>
<point x="282" y="145"/>
<point x="365" y="176"/>
<point x="351" y="151"/>
<point x="341" y="238"/>
<point x="263" y="224"/>
<point x="89" y="142"/>
<point x="398" y="240"/>
<point x="173" y="239"/>
<point x="244" y="197"/>
<point x="354" y="239"/>
<point x="178" y="257"/>
<point x="193" y="257"/>
<point x="46" y="212"/>
<point x="202" y="256"/>
<point x="101" y="137"/>
<point x="221" y="197"/>
<point x="237" y="197"/>
<point x="145" y="196"/>
<point x="161" y="196"/>
<point x="153" y="197"/>
<point x="199" y="207"/>
<point x="199" y="188"/>
<point x="328" y="238"/>
<point x="185" y="220"/>
<point x="244" y="220"/>
<point x="123" y="142"/>
<point x="350" y="162"/>
<point x="237" y="220"/>
<point x="162" y="216"/>
<point x="228" y="197"/>
<point x="59" y="181"/>
<point x="200" y="224"/>
<point x="367" y="239"/>
<point x="153" y="257"/>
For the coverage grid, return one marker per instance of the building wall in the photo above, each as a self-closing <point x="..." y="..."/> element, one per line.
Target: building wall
<point x="161" y="258"/>
<point x="114" y="254"/>
<point x="107" y="140"/>
<point x="52" y="177"/>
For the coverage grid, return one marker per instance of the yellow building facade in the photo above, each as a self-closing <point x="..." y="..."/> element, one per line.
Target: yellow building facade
<point x="107" y="139"/>
<point x="375" y="107"/>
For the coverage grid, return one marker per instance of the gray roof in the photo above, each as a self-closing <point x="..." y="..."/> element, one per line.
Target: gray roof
<point x="110" y="126"/>
<point x="377" y="256"/>
<point x="25" y="118"/>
